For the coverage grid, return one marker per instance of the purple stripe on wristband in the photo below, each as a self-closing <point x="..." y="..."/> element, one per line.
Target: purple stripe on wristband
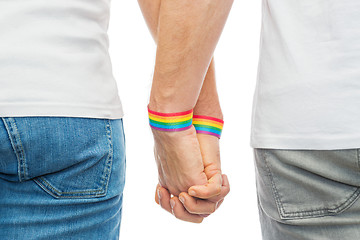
<point x="171" y="130"/>
<point x="210" y="133"/>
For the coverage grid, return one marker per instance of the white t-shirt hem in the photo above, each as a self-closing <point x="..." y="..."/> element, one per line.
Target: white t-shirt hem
<point x="59" y="110"/>
<point x="309" y="142"/>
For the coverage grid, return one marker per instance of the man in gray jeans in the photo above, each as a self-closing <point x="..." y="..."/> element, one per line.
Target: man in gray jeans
<point x="305" y="120"/>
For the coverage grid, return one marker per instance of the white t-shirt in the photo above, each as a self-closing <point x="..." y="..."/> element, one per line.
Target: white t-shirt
<point x="54" y="59"/>
<point x="307" y="94"/>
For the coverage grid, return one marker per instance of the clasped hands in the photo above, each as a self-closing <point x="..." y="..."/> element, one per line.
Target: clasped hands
<point x="189" y="169"/>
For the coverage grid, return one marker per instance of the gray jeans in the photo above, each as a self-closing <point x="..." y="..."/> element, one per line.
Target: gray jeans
<point x="308" y="194"/>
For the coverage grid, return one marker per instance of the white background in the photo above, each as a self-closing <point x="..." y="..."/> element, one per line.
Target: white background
<point x="133" y="51"/>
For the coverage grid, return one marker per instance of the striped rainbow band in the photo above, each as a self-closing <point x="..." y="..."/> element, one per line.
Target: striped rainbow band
<point x="170" y="122"/>
<point x="208" y="125"/>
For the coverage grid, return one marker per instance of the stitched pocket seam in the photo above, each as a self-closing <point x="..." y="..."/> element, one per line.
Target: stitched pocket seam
<point x="88" y="193"/>
<point x="17" y="146"/>
<point x="338" y="208"/>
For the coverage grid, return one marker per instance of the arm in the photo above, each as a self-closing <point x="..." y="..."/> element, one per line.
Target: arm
<point x="208" y="101"/>
<point x="207" y="104"/>
<point x="187" y="34"/>
<point x="207" y="197"/>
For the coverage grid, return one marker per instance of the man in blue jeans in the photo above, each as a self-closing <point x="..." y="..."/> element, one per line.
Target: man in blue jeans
<point x="62" y="146"/>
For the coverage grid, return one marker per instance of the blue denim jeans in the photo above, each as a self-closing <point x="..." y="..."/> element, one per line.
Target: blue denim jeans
<point x="308" y="194"/>
<point x="61" y="178"/>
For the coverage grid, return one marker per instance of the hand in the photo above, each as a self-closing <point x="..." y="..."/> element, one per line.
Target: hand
<point x="196" y="209"/>
<point x="201" y="200"/>
<point x="179" y="160"/>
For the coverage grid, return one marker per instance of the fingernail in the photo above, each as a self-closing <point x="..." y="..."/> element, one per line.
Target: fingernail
<point x="182" y="200"/>
<point x="218" y="204"/>
<point x="192" y="193"/>
<point x="159" y="193"/>
<point x="172" y="203"/>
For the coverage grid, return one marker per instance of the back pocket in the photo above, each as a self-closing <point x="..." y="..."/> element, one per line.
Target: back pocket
<point x="67" y="157"/>
<point x="308" y="183"/>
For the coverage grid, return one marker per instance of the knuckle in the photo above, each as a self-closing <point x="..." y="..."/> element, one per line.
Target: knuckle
<point x="218" y="204"/>
<point x="191" y="209"/>
<point x="179" y="217"/>
<point x="218" y="190"/>
<point x="173" y="190"/>
<point x="206" y="192"/>
<point x="162" y="206"/>
<point x="175" y="214"/>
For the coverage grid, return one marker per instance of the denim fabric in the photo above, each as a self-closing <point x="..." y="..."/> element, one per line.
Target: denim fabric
<point x="308" y="194"/>
<point x="61" y="178"/>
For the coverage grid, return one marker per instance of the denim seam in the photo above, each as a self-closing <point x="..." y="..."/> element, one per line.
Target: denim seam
<point x="46" y="185"/>
<point x="43" y="183"/>
<point x="309" y="213"/>
<point x="108" y="163"/>
<point x="59" y="192"/>
<point x="325" y="211"/>
<point x="124" y="139"/>
<point x="57" y="196"/>
<point x="358" y="158"/>
<point x="275" y="192"/>
<point x="18" y="148"/>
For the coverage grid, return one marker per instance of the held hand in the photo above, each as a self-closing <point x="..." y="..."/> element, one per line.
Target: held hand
<point x="179" y="160"/>
<point x="196" y="209"/>
<point x="204" y="199"/>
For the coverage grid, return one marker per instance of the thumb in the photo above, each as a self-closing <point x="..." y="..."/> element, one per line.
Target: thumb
<point x="209" y="190"/>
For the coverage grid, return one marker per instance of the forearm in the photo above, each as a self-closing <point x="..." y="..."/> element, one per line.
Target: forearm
<point x="150" y="10"/>
<point x="208" y="101"/>
<point x="184" y="51"/>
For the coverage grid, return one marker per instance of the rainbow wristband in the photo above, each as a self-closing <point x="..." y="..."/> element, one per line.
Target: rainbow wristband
<point x="208" y="125"/>
<point x="170" y="122"/>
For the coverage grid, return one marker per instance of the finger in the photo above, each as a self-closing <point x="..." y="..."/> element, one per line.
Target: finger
<point x="196" y="205"/>
<point x="211" y="189"/>
<point x="226" y="184"/>
<point x="225" y="189"/>
<point x="164" y="199"/>
<point x="219" y="203"/>
<point x="157" y="194"/>
<point x="180" y="212"/>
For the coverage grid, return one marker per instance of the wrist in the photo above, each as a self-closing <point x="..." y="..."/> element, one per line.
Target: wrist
<point x="209" y="109"/>
<point x="170" y="122"/>
<point x="176" y="95"/>
<point x="208" y="125"/>
<point x="208" y="105"/>
<point x="168" y="105"/>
